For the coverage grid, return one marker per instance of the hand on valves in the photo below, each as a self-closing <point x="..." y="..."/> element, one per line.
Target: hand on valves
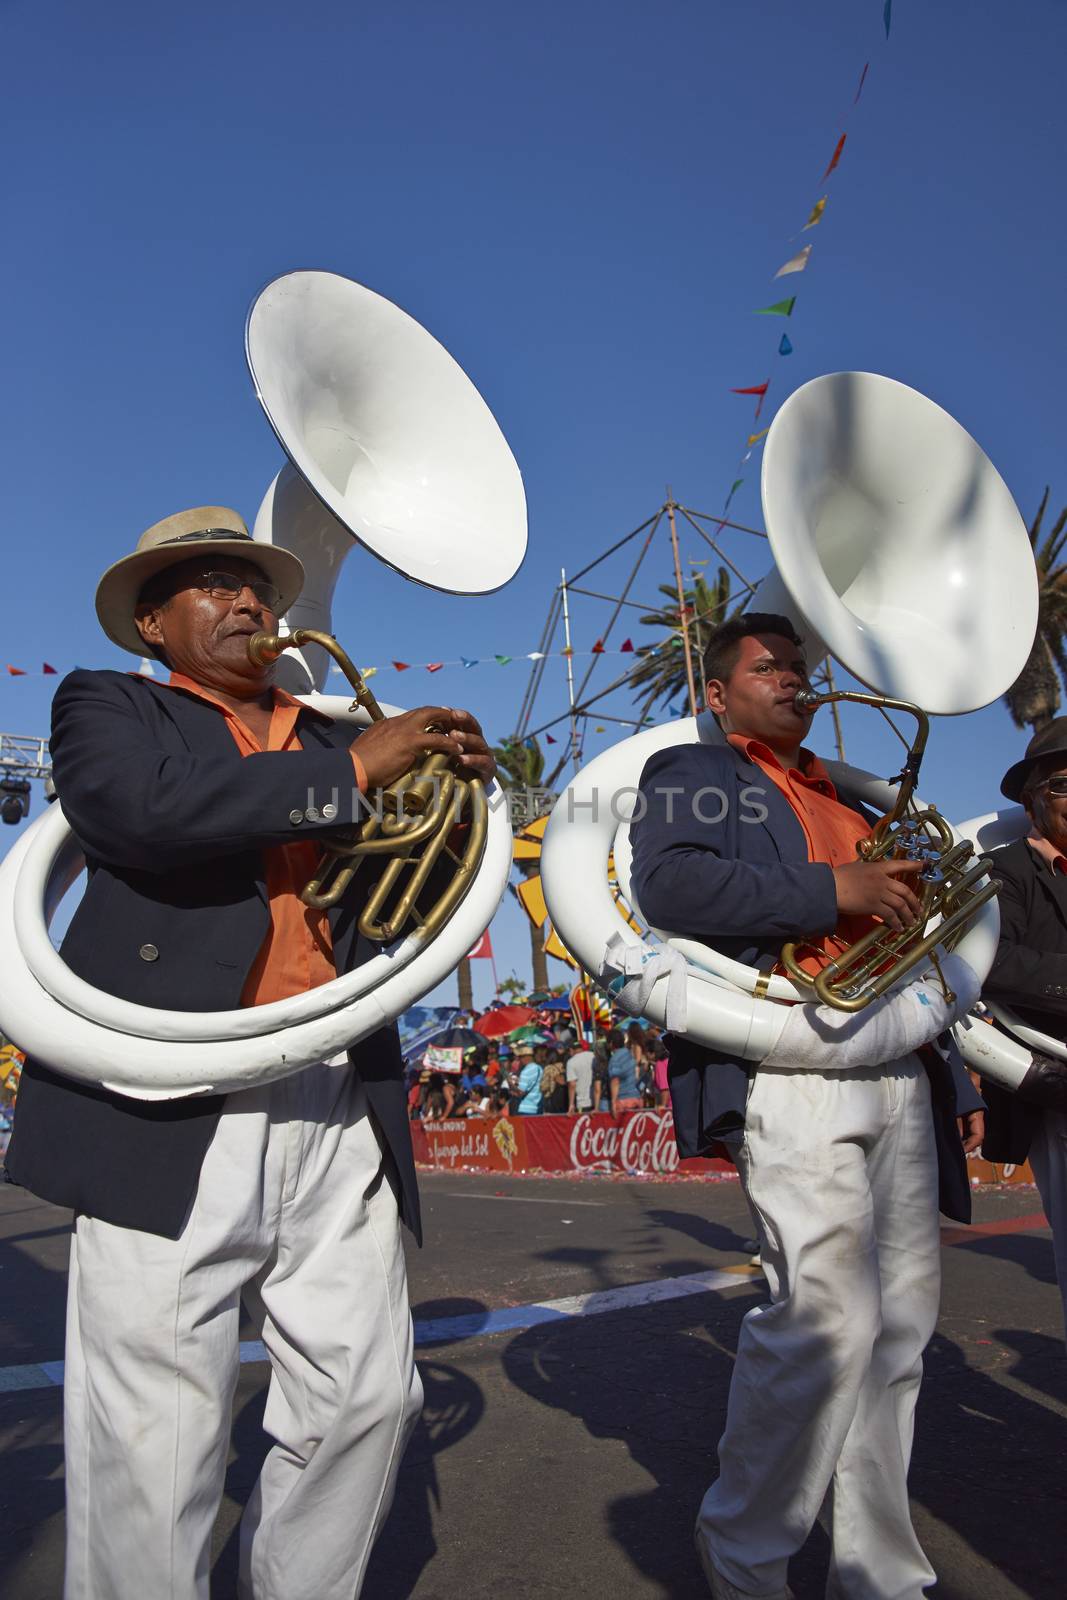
<point x="391" y="747"/>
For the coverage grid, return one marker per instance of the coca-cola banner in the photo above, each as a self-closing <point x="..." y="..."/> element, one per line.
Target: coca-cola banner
<point x="639" y="1141"/>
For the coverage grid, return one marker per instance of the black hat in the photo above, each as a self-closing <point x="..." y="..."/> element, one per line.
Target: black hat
<point x="1051" y="741"/>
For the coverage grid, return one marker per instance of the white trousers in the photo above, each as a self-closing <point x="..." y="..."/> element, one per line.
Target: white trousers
<point x="841" y="1173"/>
<point x="296" y="1207"/>
<point x="1048" y="1159"/>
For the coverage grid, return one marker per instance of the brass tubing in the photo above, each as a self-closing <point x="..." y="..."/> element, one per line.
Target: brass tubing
<point x="422" y="806"/>
<point x="853" y="980"/>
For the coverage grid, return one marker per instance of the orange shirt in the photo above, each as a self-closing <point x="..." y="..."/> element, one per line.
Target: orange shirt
<point x="831" y="831"/>
<point x="297" y="953"/>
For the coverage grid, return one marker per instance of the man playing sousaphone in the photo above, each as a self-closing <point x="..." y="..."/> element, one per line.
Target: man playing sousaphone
<point x="745" y="844"/>
<point x="201" y="805"/>
<point x="1030" y="976"/>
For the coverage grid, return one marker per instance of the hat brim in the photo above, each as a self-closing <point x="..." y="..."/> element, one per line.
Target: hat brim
<point x="1014" y="780"/>
<point x="118" y="590"/>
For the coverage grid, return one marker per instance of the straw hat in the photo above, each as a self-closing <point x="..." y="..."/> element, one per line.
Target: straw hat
<point x="205" y="530"/>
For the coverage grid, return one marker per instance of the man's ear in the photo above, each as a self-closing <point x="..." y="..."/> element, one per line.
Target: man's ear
<point x="714" y="698"/>
<point x="146" y="619"/>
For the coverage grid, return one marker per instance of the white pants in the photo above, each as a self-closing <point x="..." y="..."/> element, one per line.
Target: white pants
<point x="1048" y="1158"/>
<point x="841" y="1172"/>
<point x="297" y="1208"/>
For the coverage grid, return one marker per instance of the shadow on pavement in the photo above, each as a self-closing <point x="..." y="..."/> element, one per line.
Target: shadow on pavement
<point x="710" y="1235"/>
<point x="658" y="1385"/>
<point x="453" y="1408"/>
<point x="1030" y="1251"/>
<point x="988" y="1464"/>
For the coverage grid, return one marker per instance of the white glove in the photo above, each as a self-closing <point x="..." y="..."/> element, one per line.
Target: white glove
<point x="820" y="1039"/>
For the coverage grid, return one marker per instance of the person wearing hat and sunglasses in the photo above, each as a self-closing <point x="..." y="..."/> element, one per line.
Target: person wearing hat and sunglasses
<point x="1029" y="975"/>
<point x="201" y="804"/>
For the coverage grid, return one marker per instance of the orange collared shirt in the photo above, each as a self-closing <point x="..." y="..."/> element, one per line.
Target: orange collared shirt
<point x="297" y="953"/>
<point x="831" y="831"/>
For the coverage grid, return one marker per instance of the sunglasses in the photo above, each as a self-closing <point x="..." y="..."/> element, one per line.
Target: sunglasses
<point x="227" y="586"/>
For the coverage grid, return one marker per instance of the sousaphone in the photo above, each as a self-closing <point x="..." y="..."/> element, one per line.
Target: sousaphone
<point x="897" y="547"/>
<point x="390" y="446"/>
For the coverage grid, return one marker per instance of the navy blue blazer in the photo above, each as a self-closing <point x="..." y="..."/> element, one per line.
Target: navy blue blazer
<point x="719" y="855"/>
<point x="173" y="820"/>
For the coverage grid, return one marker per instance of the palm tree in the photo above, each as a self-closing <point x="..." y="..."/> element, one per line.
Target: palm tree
<point x="661" y="671"/>
<point x="521" y="764"/>
<point x="466" y="985"/>
<point x="1034" y="698"/>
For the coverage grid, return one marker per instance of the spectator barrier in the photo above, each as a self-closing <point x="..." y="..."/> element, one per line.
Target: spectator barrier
<point x="636" y="1142"/>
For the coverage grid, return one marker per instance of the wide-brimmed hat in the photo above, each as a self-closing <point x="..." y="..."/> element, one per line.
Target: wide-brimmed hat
<point x="205" y="530"/>
<point x="1051" y="741"/>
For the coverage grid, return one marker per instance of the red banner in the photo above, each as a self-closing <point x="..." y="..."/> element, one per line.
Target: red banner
<point x="640" y="1141"/>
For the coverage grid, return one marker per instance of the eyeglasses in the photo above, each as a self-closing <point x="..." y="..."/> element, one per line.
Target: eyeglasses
<point x="1056" y="786"/>
<point x="227" y="586"/>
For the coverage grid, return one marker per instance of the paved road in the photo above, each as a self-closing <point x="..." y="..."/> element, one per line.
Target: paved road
<point x="564" y="1450"/>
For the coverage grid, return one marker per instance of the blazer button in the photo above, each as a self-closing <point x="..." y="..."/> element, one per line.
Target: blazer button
<point x="296" y="817"/>
<point x="328" y="813"/>
<point x="312" y="813"/>
<point x="148" y="952"/>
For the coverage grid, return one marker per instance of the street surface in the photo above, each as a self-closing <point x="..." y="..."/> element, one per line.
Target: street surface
<point x="564" y="1451"/>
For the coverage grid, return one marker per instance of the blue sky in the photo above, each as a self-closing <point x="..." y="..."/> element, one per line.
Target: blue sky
<point x="585" y="202"/>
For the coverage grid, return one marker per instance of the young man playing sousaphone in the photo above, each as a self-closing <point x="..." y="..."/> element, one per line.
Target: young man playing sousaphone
<point x="195" y="802"/>
<point x="746" y="845"/>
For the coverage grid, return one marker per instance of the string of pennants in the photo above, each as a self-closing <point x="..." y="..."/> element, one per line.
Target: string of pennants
<point x="148" y="667"/>
<point x="796" y="263"/>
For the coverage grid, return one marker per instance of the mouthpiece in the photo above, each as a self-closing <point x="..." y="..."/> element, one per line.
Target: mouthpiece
<point x="263" y="648"/>
<point x="806" y="700"/>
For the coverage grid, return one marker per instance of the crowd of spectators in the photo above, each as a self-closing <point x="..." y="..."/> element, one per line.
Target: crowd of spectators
<point x="624" y="1070"/>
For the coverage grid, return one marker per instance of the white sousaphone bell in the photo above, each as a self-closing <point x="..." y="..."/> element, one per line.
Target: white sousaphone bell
<point x="897" y="547"/>
<point x="390" y="446"/>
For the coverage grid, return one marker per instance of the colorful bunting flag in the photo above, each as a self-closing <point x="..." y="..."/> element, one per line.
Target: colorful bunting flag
<point x="401" y="666"/>
<point x="627" y="644"/>
<point x="781" y="308"/>
<point x="368" y="672"/>
<point x="733" y="490"/>
<point x="598" y="648"/>
<point x="757" y="388"/>
<point x="147" y="669"/>
<point x="599" y="729"/>
<point x="536" y="655"/>
<point x="795" y="263"/>
<point x="567" y="651"/>
<point x="785" y="348"/>
<point x="816" y="212"/>
<point x="887" y="16"/>
<point x="49" y="671"/>
<point x="836" y="157"/>
<point x="503" y="660"/>
<point x="863" y="80"/>
<point x="754" y="438"/>
<point x="468" y="663"/>
<point x="16" y="672"/>
<point x="434" y="666"/>
<point x="549" y="739"/>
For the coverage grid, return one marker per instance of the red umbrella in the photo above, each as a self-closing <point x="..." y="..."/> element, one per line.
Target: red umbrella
<point x="502" y="1020"/>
